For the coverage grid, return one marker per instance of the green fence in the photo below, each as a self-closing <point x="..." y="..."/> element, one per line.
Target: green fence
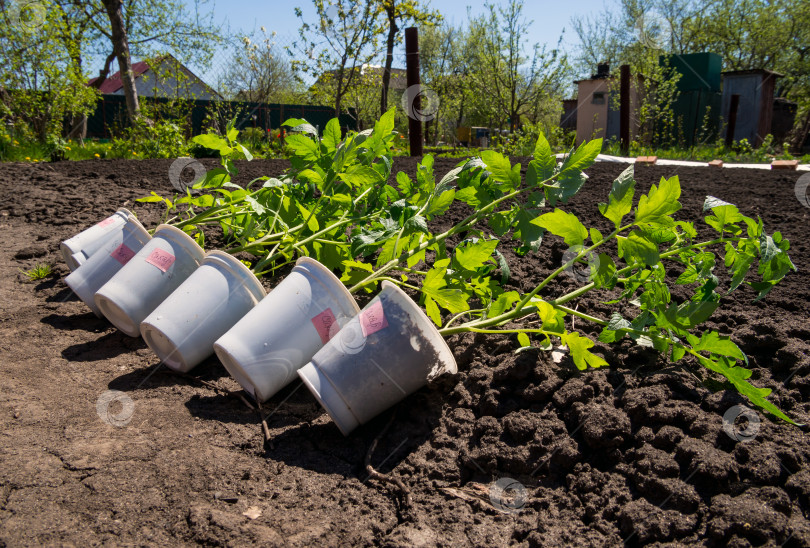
<point x="110" y="115"/>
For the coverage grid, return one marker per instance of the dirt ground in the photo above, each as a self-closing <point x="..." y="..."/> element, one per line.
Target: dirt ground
<point x="635" y="453"/>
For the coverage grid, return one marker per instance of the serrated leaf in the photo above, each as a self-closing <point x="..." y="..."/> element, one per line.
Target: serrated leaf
<point x="439" y="205"/>
<point x="636" y="248"/>
<point x="527" y="232"/>
<point x="563" y="224"/>
<point x="331" y="134"/>
<point x="472" y="256"/>
<point x="656" y="207"/>
<point x="580" y="353"/>
<point x="302" y="146"/>
<point x="500" y="168"/>
<point x="620" y="199"/>
<point x="605" y="275"/>
<point x="214" y="142"/>
<point x="567" y="185"/>
<point x="715" y="343"/>
<point x="583" y="157"/>
<point x="738" y="376"/>
<point x="767" y="248"/>
<point x="454" y="300"/>
<point x="361" y="176"/>
<point x="544" y="160"/>
<point x="503" y="303"/>
<point x="385" y="125"/>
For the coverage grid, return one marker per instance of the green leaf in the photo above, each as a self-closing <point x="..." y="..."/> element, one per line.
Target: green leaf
<point x="544" y="160"/>
<point x="724" y="213"/>
<point x="303" y="147"/>
<point x="474" y="255"/>
<point x="738" y="376"/>
<point x="441" y="204"/>
<point x="385" y="125"/>
<point x="311" y="176"/>
<point x="605" y="275"/>
<point x="596" y="236"/>
<point x="583" y="157"/>
<point x="152" y="198"/>
<point x="500" y="168"/>
<point x="620" y="199"/>
<point x="331" y="134"/>
<point x="636" y="248"/>
<point x="767" y="248"/>
<point x="656" y="207"/>
<point x="551" y="318"/>
<point x="361" y="176"/>
<point x="563" y="224"/>
<point x="503" y="303"/>
<point x="452" y="299"/>
<point x="688" y="315"/>
<point x="567" y="185"/>
<point x="214" y="142"/>
<point x="527" y="232"/>
<point x="417" y="223"/>
<point x="713" y="342"/>
<point x="523" y="340"/>
<point x="580" y="353"/>
<point x="432" y="310"/>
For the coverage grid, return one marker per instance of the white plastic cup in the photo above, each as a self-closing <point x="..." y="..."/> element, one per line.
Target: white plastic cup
<point x="144" y="282"/>
<point x="77" y="249"/>
<point x="183" y="328"/>
<point x="266" y="348"/>
<point x="387" y="352"/>
<point x="116" y="251"/>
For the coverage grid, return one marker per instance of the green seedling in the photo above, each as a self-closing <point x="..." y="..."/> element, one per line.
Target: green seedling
<point x="39" y="272"/>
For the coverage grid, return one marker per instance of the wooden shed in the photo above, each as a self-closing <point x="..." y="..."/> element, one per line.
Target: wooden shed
<point x="755" y="111"/>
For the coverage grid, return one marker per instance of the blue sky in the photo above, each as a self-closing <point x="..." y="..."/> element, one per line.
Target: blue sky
<point x="550" y="17"/>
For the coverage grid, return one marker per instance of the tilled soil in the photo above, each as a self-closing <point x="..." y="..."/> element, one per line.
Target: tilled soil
<point x="635" y="453"/>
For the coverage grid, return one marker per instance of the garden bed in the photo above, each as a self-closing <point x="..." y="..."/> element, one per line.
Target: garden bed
<point x="636" y="452"/>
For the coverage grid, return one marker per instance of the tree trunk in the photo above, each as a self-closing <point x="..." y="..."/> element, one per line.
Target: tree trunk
<point x="393" y="29"/>
<point x="121" y="47"/>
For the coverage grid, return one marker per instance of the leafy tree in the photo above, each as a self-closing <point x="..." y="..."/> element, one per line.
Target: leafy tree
<point x="396" y="13"/>
<point x="260" y="71"/>
<point x="510" y="81"/>
<point x="41" y="81"/>
<point x="343" y="39"/>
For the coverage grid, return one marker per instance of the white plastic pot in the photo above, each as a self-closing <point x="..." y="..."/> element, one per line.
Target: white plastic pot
<point x="183" y="328"/>
<point x="77" y="249"/>
<point x="388" y="351"/>
<point x="116" y="251"/>
<point x="144" y="282"/>
<point x="266" y="348"/>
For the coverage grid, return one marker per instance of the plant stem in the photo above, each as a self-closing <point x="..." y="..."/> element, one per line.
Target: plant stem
<point x="469" y="221"/>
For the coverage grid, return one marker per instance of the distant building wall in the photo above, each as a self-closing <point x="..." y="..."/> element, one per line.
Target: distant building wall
<point x="755" y="111"/>
<point x="597" y="111"/>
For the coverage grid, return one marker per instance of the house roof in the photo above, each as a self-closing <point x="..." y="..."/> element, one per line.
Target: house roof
<point x="768" y="73"/>
<point x="113" y="83"/>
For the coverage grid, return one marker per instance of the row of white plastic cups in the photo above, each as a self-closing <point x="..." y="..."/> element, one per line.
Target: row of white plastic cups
<point x="188" y="305"/>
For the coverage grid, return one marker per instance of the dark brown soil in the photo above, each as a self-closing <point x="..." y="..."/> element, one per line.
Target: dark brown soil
<point x="634" y="453"/>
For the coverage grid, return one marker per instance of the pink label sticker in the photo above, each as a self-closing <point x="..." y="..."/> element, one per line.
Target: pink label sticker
<point x="323" y="323"/>
<point x="122" y="254"/>
<point x="107" y="222"/>
<point x="161" y="259"/>
<point x="372" y="319"/>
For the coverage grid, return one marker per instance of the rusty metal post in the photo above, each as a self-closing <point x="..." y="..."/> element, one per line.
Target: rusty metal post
<point x="624" y="109"/>
<point x="732" y="119"/>
<point x="414" y="99"/>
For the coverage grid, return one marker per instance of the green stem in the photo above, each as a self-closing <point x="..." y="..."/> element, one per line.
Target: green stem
<point x="469" y="221"/>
